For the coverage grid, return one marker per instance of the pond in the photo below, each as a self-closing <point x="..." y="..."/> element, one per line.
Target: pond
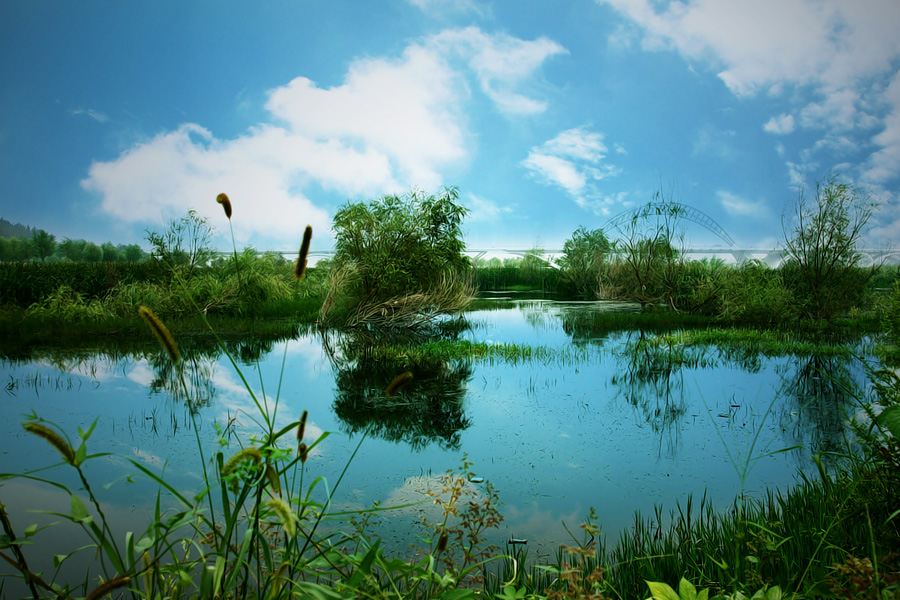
<point x="597" y="420"/>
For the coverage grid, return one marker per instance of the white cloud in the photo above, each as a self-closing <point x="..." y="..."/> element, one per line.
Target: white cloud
<point x="502" y="64"/>
<point x="94" y="114"/>
<point x="443" y="7"/>
<point x="391" y="125"/>
<point x="780" y="125"/>
<point x="827" y="57"/>
<point x="760" y="44"/>
<point x="741" y="207"/>
<point x="575" y="161"/>
<point x="483" y="209"/>
<point x="715" y="142"/>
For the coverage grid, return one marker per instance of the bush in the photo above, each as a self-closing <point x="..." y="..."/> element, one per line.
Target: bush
<point x="757" y="294"/>
<point x="822" y="266"/>
<point x="392" y="248"/>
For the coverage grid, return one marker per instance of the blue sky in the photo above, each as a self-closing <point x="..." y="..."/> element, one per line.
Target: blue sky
<point x="548" y="115"/>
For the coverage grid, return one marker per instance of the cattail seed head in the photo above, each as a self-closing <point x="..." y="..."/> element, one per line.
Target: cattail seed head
<point x="226" y="204"/>
<point x="53" y="438"/>
<point x="303" y="452"/>
<point x="301" y="428"/>
<point x="442" y="543"/>
<point x="162" y="334"/>
<point x="105" y="588"/>
<point x="300" y="265"/>
<point x="398" y="382"/>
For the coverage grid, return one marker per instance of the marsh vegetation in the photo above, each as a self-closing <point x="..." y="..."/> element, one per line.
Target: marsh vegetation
<point x="418" y="442"/>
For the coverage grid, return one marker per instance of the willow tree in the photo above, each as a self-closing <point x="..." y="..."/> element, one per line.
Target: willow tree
<point x="582" y="261"/>
<point x="822" y="261"/>
<point x="398" y="260"/>
<point x="651" y="266"/>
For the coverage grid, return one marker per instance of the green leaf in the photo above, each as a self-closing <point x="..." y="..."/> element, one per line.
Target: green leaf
<point x="686" y="590"/>
<point x="890" y="418"/>
<point x="31" y="530"/>
<point x="80" y="454"/>
<point x="661" y="591"/>
<point x="59" y="558"/>
<point x="79" y="511"/>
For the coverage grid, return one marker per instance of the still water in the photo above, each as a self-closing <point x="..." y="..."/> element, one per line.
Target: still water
<point x="603" y="422"/>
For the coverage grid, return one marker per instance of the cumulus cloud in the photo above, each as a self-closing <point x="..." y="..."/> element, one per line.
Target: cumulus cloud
<point x="780" y="125"/>
<point x="502" y="64"/>
<point x="390" y="125"/>
<point x="827" y="57"/>
<point x="575" y="161"/>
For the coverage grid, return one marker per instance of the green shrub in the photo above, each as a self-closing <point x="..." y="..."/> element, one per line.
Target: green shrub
<point x="755" y="293"/>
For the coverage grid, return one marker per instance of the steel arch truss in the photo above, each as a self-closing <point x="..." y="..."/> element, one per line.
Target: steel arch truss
<point x="672" y="208"/>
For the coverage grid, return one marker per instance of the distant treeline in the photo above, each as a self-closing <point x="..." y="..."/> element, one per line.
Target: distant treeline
<point x="19" y="243"/>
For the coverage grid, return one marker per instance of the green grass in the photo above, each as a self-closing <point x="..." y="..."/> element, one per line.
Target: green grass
<point x="443" y="351"/>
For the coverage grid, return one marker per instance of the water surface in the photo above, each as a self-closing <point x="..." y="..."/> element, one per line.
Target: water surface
<point x="605" y="422"/>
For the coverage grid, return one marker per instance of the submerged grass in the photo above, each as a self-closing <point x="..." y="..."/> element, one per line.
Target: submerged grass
<point x="768" y="342"/>
<point x="444" y="350"/>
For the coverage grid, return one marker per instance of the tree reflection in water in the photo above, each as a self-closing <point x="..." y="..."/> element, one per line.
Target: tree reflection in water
<point x="427" y="410"/>
<point x="199" y="358"/>
<point x="819" y="393"/>
<point x="652" y="381"/>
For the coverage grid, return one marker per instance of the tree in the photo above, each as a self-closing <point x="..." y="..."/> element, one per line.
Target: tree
<point x="133" y="253"/>
<point x="186" y="241"/>
<point x="584" y="255"/>
<point x="72" y="249"/>
<point x="111" y="253"/>
<point x="395" y="248"/>
<point x="822" y="266"/>
<point x="651" y="264"/>
<point x="92" y="253"/>
<point x="43" y="243"/>
<point x="19" y="250"/>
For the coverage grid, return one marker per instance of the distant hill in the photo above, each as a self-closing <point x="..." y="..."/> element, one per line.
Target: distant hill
<point x="11" y="230"/>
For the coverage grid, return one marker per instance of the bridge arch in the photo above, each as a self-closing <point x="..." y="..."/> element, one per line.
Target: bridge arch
<point x="677" y="209"/>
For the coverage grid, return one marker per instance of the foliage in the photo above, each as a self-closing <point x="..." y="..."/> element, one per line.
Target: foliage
<point x="651" y="265"/>
<point x="823" y="263"/>
<point x="43" y="243"/>
<point x="755" y="293"/>
<point x="395" y="248"/>
<point x="92" y="253"/>
<point x="584" y="254"/>
<point x="185" y="241"/>
<point x="892" y="315"/>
